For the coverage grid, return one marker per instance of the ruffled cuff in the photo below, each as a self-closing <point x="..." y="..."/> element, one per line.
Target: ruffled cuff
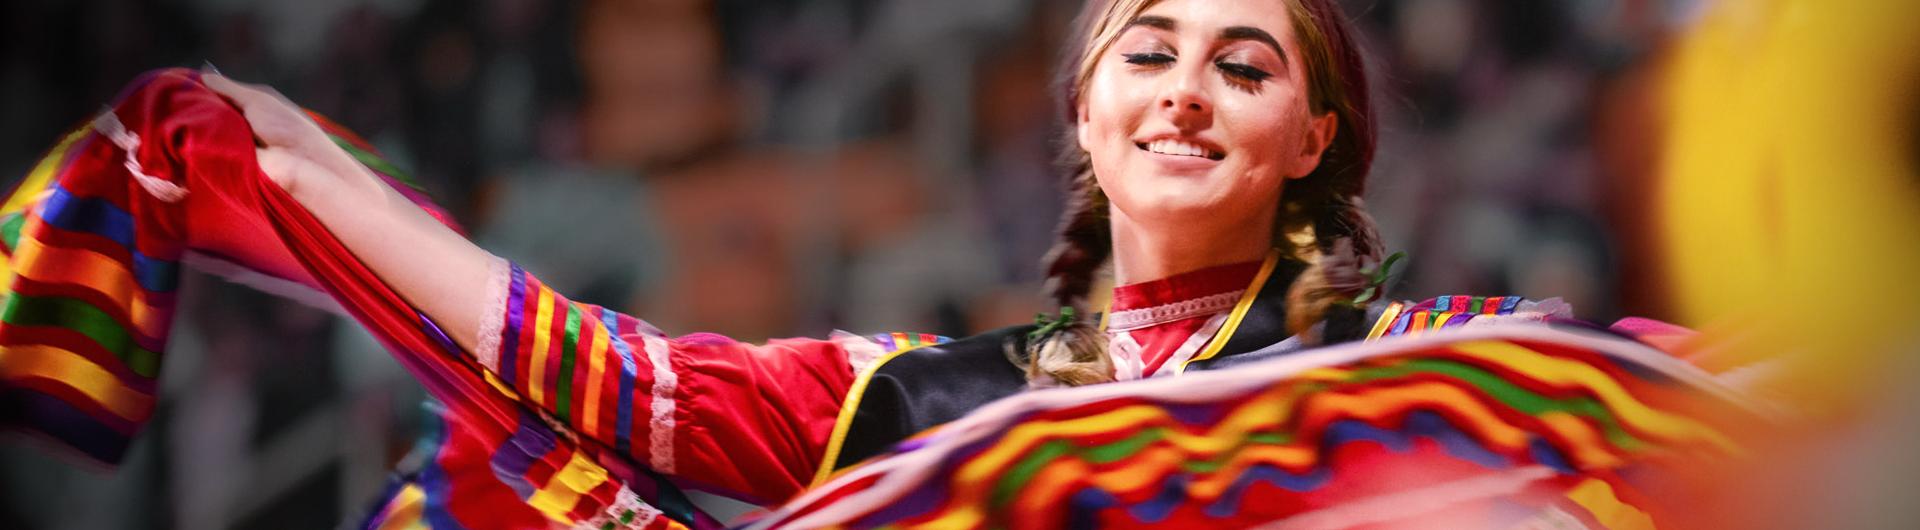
<point x="493" y="314"/>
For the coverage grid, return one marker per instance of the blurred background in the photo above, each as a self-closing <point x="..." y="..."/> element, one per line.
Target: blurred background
<point x="774" y="168"/>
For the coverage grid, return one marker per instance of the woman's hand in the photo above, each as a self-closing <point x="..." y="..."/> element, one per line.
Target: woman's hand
<point x="431" y="266"/>
<point x="294" y="152"/>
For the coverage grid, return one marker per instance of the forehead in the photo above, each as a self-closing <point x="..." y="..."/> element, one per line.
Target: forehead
<point x="1208" y="17"/>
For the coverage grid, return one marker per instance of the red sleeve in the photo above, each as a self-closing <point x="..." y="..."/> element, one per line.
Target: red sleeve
<point x="746" y="420"/>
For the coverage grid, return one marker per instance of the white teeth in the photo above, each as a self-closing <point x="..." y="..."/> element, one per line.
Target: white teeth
<point x="1178" y="148"/>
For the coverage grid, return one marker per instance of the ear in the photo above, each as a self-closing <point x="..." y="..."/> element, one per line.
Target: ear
<point x="1320" y="133"/>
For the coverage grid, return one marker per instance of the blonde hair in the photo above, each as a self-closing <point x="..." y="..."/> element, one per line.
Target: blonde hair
<point x="1322" y="219"/>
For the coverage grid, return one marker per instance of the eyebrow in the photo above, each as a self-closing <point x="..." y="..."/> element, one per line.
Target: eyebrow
<point x="1257" y="35"/>
<point x="1232" y="33"/>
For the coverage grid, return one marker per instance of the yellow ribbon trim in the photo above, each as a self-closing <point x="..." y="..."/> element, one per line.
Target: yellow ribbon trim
<point x="1239" y="312"/>
<point x="851" y="404"/>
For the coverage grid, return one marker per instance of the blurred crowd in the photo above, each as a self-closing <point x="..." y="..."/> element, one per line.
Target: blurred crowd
<point x="771" y="168"/>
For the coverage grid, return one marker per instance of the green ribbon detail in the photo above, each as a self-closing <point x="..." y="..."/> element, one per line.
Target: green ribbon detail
<point x="1377" y="279"/>
<point x="1049" y="324"/>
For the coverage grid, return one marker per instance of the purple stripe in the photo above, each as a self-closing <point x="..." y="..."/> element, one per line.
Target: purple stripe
<point x="512" y="460"/>
<point x="56" y="418"/>
<point x="434" y="332"/>
<point x="510" y="334"/>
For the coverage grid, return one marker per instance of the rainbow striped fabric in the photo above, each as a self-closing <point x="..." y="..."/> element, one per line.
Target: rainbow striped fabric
<point x="89" y="282"/>
<point x="95" y="238"/>
<point x="86" y="312"/>
<point x="1409" y="318"/>
<point x="1492" y="427"/>
<point x="893" y="342"/>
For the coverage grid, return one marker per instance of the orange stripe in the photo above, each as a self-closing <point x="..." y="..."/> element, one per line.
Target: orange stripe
<point x="1419" y="322"/>
<point x="39" y="361"/>
<point x="596" y="370"/>
<point x="1589" y="449"/>
<point x="94" y="271"/>
<point x="1042" y="494"/>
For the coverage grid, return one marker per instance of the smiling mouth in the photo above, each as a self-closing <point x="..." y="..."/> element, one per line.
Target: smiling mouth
<point x="1179" y="148"/>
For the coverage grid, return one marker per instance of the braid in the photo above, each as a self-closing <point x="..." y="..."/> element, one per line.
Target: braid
<point x="1077" y="354"/>
<point x="1346" y="241"/>
<point x="1085" y="242"/>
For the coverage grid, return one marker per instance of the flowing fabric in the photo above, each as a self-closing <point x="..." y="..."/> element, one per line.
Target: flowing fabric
<point x="1492" y="427"/>
<point x="97" y="234"/>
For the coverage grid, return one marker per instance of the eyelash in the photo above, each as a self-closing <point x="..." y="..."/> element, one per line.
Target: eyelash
<point x="1243" y="72"/>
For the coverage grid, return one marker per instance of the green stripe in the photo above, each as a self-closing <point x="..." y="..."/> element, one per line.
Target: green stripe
<point x="1473" y="306"/>
<point x="374" y="162"/>
<point x="567" y="354"/>
<point x="1511" y="395"/>
<point x="10" y="229"/>
<point x="1220" y="460"/>
<point x="1018" y="476"/>
<point x="95" y="324"/>
<point x="1109" y="453"/>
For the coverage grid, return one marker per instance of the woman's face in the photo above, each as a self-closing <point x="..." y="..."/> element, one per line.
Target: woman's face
<point x="1198" y="114"/>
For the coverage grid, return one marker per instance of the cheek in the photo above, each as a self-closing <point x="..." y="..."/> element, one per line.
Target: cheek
<point x="1116" y="103"/>
<point x="1113" y="110"/>
<point x="1270" y="132"/>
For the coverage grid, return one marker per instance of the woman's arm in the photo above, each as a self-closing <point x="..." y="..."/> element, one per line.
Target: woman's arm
<point x="435" y="269"/>
<point x="734" y="418"/>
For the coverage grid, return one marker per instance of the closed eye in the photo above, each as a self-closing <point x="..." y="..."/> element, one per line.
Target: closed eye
<point x="1148" y="59"/>
<point x="1243" y="71"/>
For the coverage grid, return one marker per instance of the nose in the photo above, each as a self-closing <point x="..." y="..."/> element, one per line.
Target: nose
<point x="1185" y="100"/>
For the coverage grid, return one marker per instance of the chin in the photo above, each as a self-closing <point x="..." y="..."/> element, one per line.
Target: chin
<point x="1175" y="208"/>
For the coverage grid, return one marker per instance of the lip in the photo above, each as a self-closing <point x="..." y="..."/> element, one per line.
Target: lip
<point x="1181" y="162"/>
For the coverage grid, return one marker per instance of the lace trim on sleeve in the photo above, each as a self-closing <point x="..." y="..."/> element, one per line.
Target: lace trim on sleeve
<point x="493" y="314"/>
<point x="861" y="351"/>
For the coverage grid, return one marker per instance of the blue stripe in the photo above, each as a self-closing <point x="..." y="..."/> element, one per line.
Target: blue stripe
<point x="1083" y="509"/>
<point x="1546" y="455"/>
<point x="93" y="216"/>
<point x="1507" y="306"/>
<point x="1443" y="303"/>
<point x="628" y="371"/>
<point x="100" y="217"/>
<point x="1173" y="493"/>
<point x="1435" y="427"/>
<point x="1400" y="324"/>
<point x="1229" y="503"/>
<point x="433" y="479"/>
